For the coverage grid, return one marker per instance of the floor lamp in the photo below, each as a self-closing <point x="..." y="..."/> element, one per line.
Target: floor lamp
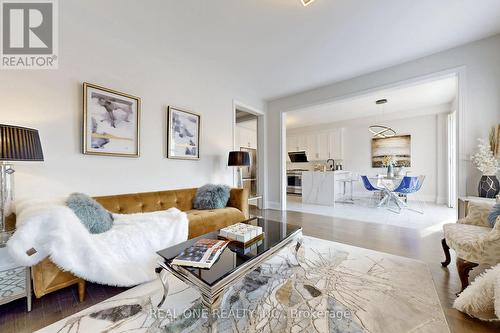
<point x="16" y="144"/>
<point x="239" y="159"/>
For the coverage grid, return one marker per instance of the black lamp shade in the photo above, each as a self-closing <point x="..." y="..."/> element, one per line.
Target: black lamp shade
<point x="19" y="144"/>
<point x="238" y="158"/>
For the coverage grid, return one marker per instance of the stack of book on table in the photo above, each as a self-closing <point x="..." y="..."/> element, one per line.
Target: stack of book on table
<point x="242" y="233"/>
<point x="203" y="254"/>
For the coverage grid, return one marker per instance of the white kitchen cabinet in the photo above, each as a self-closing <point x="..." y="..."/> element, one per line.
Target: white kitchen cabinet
<point x="323" y="146"/>
<point x="292" y="143"/>
<point x="246" y="137"/>
<point x="335" y="144"/>
<point x="318" y="146"/>
<point x="297" y="143"/>
<point x="302" y="143"/>
<point x="312" y="147"/>
<point x="307" y="143"/>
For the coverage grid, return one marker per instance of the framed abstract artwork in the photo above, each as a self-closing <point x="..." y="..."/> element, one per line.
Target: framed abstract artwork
<point x="111" y="122"/>
<point x="397" y="146"/>
<point x="183" y="134"/>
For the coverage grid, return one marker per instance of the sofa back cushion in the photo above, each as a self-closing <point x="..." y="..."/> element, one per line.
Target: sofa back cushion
<point x="148" y="201"/>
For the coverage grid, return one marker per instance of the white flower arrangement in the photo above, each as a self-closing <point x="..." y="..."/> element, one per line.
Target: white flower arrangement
<point x="484" y="159"/>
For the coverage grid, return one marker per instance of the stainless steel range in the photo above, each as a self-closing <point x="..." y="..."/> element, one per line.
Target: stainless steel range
<point x="294" y="181"/>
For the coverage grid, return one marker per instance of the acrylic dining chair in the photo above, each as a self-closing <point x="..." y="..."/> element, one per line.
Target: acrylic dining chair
<point x="410" y="185"/>
<point x="369" y="187"/>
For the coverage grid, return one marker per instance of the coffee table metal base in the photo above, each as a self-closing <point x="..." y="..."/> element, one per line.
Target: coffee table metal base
<point x="211" y="296"/>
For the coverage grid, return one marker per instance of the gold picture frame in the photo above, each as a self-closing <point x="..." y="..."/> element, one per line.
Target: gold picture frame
<point x="111" y="122"/>
<point x="183" y="134"/>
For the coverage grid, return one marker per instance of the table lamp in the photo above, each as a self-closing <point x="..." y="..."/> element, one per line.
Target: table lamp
<point x="239" y="159"/>
<point x="16" y="144"/>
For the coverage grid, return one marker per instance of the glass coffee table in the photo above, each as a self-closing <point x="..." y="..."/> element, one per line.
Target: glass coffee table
<point x="232" y="264"/>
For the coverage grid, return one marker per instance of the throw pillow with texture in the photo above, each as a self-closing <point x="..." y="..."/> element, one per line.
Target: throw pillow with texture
<point x="91" y="213"/>
<point x="211" y="196"/>
<point x="495" y="212"/>
<point x="477" y="213"/>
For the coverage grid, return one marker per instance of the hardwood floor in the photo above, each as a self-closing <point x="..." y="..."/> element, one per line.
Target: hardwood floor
<point x="385" y="238"/>
<point x="51" y="308"/>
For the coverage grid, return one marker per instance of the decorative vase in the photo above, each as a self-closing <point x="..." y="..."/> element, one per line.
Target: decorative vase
<point x="488" y="186"/>
<point x="390" y="171"/>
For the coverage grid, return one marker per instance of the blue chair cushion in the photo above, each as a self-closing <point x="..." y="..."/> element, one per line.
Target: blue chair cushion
<point x="495" y="212"/>
<point x="92" y="215"/>
<point x="211" y="196"/>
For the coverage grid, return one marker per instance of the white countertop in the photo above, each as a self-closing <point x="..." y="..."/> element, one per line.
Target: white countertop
<point x="330" y="171"/>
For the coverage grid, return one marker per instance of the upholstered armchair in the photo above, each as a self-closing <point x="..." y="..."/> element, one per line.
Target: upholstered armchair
<point x="473" y="240"/>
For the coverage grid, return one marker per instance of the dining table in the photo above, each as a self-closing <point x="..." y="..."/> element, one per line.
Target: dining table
<point x="387" y="185"/>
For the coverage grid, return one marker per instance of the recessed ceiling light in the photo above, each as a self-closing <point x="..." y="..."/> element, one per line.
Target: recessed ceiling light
<point x="307" y="2"/>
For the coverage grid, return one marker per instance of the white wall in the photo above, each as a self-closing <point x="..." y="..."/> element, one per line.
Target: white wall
<point x="481" y="97"/>
<point x="424" y="132"/>
<point x="134" y="53"/>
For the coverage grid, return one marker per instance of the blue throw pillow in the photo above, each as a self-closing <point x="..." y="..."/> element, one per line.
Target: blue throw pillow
<point x="91" y="213"/>
<point x="495" y="212"/>
<point x="211" y="196"/>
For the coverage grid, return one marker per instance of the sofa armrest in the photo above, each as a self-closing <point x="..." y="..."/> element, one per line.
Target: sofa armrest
<point x="239" y="199"/>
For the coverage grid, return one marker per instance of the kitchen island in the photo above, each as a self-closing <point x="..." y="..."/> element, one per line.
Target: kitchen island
<point x="322" y="187"/>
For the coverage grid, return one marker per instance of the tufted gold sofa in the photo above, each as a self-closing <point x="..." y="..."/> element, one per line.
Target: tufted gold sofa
<point x="47" y="277"/>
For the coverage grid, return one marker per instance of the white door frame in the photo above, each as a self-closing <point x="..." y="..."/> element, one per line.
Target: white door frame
<point x="451" y="124"/>
<point x="459" y="72"/>
<point x="261" y="143"/>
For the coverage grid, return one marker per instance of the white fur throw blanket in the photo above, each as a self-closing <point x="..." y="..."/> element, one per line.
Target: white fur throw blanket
<point x="481" y="299"/>
<point x="123" y="256"/>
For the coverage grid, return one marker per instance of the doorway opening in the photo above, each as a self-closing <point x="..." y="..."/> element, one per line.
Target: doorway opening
<point x="330" y="143"/>
<point x="248" y="137"/>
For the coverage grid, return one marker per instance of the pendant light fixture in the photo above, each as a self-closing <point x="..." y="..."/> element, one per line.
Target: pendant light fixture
<point x="381" y="131"/>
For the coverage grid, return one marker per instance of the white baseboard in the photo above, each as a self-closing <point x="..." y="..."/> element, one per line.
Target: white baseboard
<point x="442" y="201"/>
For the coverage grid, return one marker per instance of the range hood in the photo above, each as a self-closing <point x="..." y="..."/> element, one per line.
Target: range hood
<point x="297" y="156"/>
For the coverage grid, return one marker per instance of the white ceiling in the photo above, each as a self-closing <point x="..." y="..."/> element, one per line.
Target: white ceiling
<point x="279" y="47"/>
<point x="410" y="101"/>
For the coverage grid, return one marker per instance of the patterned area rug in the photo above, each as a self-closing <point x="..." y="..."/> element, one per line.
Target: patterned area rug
<point x="320" y="286"/>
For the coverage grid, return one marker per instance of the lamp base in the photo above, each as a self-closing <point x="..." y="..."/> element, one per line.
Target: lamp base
<point x="240" y="177"/>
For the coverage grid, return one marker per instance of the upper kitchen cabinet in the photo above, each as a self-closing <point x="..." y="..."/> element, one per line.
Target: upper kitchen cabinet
<point x="307" y="143"/>
<point x="246" y="135"/>
<point x="312" y="147"/>
<point x="323" y="146"/>
<point x="292" y="143"/>
<point x="318" y="146"/>
<point x="335" y="144"/>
